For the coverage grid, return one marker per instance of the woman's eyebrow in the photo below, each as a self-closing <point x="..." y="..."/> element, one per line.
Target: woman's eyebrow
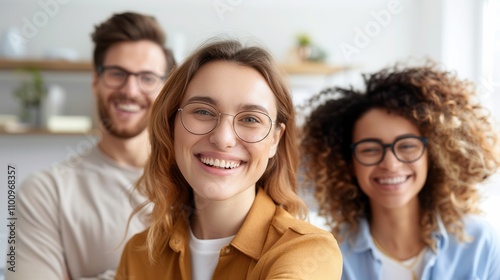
<point x="212" y="101"/>
<point x="204" y="99"/>
<point x="252" y="107"/>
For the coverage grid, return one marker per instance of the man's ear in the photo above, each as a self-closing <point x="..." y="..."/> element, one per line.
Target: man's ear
<point x="276" y="137"/>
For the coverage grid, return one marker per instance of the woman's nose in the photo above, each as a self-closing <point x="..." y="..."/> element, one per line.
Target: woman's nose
<point x="390" y="161"/>
<point x="223" y="136"/>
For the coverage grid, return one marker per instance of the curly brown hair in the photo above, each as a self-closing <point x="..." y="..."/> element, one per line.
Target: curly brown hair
<point x="463" y="145"/>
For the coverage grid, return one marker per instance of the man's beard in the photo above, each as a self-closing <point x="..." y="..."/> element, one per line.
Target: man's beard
<point x="107" y="120"/>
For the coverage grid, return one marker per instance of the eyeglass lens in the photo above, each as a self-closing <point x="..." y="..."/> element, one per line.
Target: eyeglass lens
<point x="406" y="149"/>
<point x="116" y="77"/>
<point x="201" y="118"/>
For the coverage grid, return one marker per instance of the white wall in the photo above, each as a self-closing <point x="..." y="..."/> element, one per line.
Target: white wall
<point x="273" y="22"/>
<point x="332" y="24"/>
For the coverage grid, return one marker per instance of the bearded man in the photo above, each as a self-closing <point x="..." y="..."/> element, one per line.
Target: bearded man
<point x="72" y="218"/>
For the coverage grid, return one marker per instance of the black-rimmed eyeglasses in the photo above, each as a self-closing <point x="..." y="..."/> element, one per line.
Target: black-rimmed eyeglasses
<point x="407" y="149"/>
<point x="201" y="118"/>
<point x="115" y="77"/>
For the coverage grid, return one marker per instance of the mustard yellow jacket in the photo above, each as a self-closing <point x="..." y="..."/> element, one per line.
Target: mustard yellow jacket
<point x="271" y="244"/>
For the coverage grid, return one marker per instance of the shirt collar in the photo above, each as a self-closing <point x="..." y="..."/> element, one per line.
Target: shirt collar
<point x="250" y="238"/>
<point x="441" y="235"/>
<point x="363" y="240"/>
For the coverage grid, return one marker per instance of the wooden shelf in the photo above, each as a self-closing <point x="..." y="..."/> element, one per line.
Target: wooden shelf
<point x="42" y="132"/>
<point x="305" y="68"/>
<point x="62" y="125"/>
<point x="313" y="68"/>
<point x="46" y="65"/>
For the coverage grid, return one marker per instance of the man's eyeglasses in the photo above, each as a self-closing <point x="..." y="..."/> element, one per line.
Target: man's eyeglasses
<point x="407" y="149"/>
<point x="201" y="118"/>
<point x="115" y="77"/>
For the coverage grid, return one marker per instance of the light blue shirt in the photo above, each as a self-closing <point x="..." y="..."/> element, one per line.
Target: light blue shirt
<point x="478" y="259"/>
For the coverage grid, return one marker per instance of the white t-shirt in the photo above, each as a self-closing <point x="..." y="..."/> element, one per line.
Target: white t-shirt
<point x="402" y="270"/>
<point x="72" y="218"/>
<point x="205" y="255"/>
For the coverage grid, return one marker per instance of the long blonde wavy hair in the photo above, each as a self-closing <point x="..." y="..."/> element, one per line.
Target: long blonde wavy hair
<point x="462" y="149"/>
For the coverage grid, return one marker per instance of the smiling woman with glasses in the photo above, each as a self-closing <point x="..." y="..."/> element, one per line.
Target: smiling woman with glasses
<point x="395" y="171"/>
<point x="222" y="177"/>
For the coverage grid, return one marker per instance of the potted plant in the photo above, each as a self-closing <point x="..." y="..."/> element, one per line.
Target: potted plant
<point x="304" y="46"/>
<point x="31" y="93"/>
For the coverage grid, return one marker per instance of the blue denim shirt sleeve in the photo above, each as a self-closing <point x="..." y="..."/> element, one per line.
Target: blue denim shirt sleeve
<point x="477" y="259"/>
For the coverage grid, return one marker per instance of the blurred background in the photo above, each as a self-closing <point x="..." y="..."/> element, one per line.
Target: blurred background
<point x="320" y="43"/>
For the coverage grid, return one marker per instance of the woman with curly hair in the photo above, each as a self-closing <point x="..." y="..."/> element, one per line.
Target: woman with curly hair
<point x="221" y="178"/>
<point x="395" y="171"/>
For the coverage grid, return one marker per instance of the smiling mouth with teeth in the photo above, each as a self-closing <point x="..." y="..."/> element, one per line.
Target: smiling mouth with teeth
<point x="226" y="164"/>
<point x="129" y="107"/>
<point x="392" y="181"/>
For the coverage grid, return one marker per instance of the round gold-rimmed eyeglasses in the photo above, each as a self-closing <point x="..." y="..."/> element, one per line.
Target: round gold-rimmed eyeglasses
<point x="201" y="118"/>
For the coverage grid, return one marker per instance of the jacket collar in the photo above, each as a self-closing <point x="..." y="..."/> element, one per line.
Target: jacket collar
<point x="251" y="237"/>
<point x="179" y="239"/>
